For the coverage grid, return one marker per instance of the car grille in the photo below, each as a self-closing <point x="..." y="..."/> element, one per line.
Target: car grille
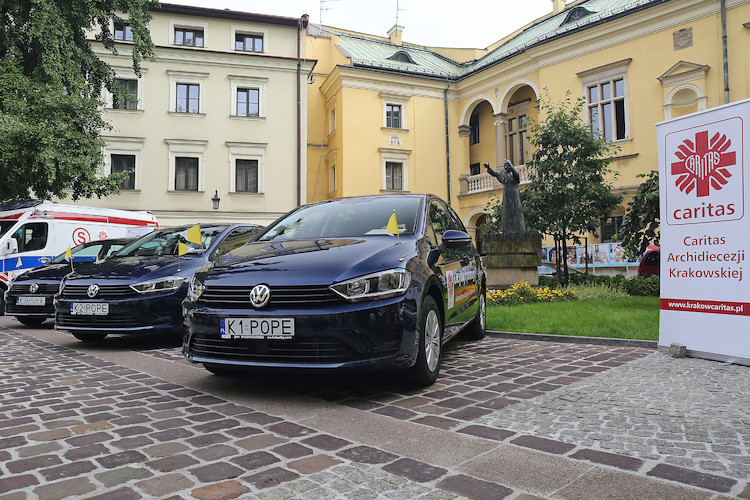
<point x="309" y="350"/>
<point x="44" y="288"/>
<point x="67" y="320"/>
<point x="105" y="291"/>
<point x="239" y="296"/>
<point x="48" y="309"/>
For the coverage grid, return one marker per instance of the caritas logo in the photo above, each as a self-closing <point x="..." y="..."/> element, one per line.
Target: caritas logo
<point x="705" y="173"/>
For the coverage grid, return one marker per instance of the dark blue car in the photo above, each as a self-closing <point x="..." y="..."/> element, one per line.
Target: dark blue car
<point x="341" y="284"/>
<point x="140" y="289"/>
<point x="30" y="297"/>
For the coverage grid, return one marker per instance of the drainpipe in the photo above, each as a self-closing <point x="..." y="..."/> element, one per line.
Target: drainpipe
<point x="447" y="144"/>
<point x="299" y="114"/>
<point x="724" y="48"/>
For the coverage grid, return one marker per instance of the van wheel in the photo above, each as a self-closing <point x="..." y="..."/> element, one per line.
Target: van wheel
<point x="477" y="329"/>
<point x="89" y="337"/>
<point x="430" y="349"/>
<point x="30" y="320"/>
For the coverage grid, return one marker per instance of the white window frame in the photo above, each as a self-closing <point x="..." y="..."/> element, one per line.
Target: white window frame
<point x="188" y="148"/>
<point x="126" y="74"/>
<point x="192" y="25"/>
<point x="249" y="29"/>
<point x="245" y="151"/>
<point x="395" y="100"/>
<point x="603" y="74"/>
<point x="241" y="82"/>
<point x="124" y="146"/>
<point x="192" y="78"/>
<point x="331" y="162"/>
<point x="515" y="113"/>
<point x="397" y="156"/>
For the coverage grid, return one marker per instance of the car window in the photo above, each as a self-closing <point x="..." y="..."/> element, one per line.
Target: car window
<point x="440" y="220"/>
<point x="166" y="242"/>
<point x="652" y="259"/>
<point x="235" y="239"/>
<point x="347" y="218"/>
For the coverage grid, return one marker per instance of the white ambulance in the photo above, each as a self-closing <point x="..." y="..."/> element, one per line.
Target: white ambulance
<point x="33" y="231"/>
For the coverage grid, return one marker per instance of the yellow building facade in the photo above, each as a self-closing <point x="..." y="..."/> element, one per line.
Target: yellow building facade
<point x="385" y="116"/>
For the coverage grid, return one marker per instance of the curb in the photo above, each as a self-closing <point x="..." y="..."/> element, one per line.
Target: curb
<point x="572" y="339"/>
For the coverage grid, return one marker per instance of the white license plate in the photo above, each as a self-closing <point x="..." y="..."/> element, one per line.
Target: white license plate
<point x="30" y="301"/>
<point x="257" y="328"/>
<point x="89" y="308"/>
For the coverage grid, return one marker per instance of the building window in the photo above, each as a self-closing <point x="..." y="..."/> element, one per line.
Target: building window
<point x="474" y="169"/>
<point x="130" y="98"/>
<point x="394" y="176"/>
<point x="246" y="176"/>
<point x="518" y="141"/>
<point x="248" y="43"/>
<point x="188" y="98"/>
<point x="332" y="178"/>
<point x="606" y="94"/>
<point x="393" y="115"/>
<point x="606" y="105"/>
<point x="332" y="120"/>
<point x="124" y="164"/>
<point x="123" y="32"/>
<point x="248" y="102"/>
<point x="474" y="129"/>
<point x="610" y="227"/>
<point x="188" y="36"/>
<point x="186" y="174"/>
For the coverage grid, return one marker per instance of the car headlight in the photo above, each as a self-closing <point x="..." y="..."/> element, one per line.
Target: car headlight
<point x="374" y="286"/>
<point x="158" y="285"/>
<point x="195" y="289"/>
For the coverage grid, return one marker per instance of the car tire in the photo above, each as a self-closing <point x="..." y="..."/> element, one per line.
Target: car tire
<point x="31" y="320"/>
<point x="477" y="329"/>
<point x="430" y="349"/>
<point x="219" y="370"/>
<point x="89" y="337"/>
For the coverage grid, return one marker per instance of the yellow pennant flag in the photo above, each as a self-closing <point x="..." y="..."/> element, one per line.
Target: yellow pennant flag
<point x="68" y="254"/>
<point x="392" y="227"/>
<point x="19" y="263"/>
<point x="182" y="249"/>
<point x="194" y="234"/>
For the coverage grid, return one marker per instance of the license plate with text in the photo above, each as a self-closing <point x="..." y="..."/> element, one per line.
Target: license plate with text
<point x="89" y="308"/>
<point x="257" y="328"/>
<point x="30" y="301"/>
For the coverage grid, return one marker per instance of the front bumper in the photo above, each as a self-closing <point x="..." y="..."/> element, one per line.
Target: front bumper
<point x="367" y="335"/>
<point x="141" y="314"/>
<point x="13" y="308"/>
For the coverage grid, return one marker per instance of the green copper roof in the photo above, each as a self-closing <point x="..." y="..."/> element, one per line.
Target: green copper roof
<point x="365" y="51"/>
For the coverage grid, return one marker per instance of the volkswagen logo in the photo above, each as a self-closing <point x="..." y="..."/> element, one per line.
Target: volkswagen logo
<point x="33" y="288"/>
<point x="92" y="291"/>
<point x="259" y="296"/>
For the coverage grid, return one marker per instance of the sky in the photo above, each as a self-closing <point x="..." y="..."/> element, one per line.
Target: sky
<point x="437" y="23"/>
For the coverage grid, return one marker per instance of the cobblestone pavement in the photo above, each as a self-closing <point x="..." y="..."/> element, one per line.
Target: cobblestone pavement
<point x="130" y="418"/>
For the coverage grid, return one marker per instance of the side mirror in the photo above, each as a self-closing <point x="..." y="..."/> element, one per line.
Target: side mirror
<point x="456" y="239"/>
<point x="10" y="246"/>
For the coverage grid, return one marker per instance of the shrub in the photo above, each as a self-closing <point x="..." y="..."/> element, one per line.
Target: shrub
<point x="598" y="292"/>
<point x="523" y="293"/>
<point x="638" y="285"/>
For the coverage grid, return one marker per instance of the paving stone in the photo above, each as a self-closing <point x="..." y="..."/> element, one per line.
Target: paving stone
<point x="89" y="451"/>
<point x="174" y="462"/>
<point x="65" y="489"/>
<point x="226" y="490"/>
<point x="165" y="449"/>
<point x="122" y="458"/>
<point x="473" y="488"/>
<point x="254" y="460"/>
<point x="601" y="457"/>
<point x="132" y="443"/>
<point x="326" y="442"/>
<point x="242" y="432"/>
<point x="367" y="455"/>
<point x="486" y="432"/>
<point x="164" y="484"/>
<point x="39" y="449"/>
<point x="292" y="450"/>
<point x="543" y="444"/>
<point x="313" y="464"/>
<point x="118" y="494"/>
<point x="687" y="476"/>
<point x="439" y="422"/>
<point x="121" y="475"/>
<point x="87" y="439"/>
<point x="270" y="477"/>
<point x="290" y="429"/>
<point x="50" y="435"/>
<point x="215" y="452"/>
<point x="17" y="482"/>
<point x="259" y="441"/>
<point x="31" y="463"/>
<point x="414" y="470"/>
<point x="67" y="470"/>
<point x="217" y="471"/>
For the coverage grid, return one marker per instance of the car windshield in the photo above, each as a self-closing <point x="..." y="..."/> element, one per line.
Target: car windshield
<point x="5" y="225"/>
<point x="166" y="242"/>
<point x="347" y="218"/>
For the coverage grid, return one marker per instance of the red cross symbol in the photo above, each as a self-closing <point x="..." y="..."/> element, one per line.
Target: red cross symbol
<point x="703" y="163"/>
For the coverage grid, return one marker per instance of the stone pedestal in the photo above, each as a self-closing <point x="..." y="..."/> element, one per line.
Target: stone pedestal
<point x="510" y="258"/>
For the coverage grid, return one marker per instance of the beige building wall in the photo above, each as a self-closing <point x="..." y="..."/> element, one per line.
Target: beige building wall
<point x="156" y="132"/>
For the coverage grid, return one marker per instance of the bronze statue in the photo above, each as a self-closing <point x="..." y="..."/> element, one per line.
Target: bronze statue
<point x="512" y="220"/>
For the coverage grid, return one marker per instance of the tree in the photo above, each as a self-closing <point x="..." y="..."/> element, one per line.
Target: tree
<point x="569" y="192"/>
<point x="51" y="84"/>
<point x="641" y="224"/>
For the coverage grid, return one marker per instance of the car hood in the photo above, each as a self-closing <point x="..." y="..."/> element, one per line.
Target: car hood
<point x="310" y="262"/>
<point x="52" y="272"/>
<point x="141" y="268"/>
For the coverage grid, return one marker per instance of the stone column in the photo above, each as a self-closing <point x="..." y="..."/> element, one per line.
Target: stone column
<point x="501" y="123"/>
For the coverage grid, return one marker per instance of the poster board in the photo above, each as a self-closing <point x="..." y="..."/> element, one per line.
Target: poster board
<point x="704" y="183"/>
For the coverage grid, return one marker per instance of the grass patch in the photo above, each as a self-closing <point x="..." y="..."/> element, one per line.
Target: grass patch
<point x="621" y="318"/>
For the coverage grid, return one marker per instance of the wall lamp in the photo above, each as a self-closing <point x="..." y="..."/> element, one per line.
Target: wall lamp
<point x="215" y="200"/>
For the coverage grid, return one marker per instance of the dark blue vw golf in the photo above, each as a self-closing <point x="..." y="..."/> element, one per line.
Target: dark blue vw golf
<point x="140" y="289"/>
<point x="379" y="282"/>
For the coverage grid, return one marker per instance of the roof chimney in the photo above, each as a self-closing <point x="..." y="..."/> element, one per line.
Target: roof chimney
<point x="558" y="6"/>
<point x="395" y="34"/>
